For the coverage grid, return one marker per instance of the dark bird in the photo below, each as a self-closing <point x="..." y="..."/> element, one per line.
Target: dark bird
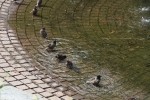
<point x="39" y="3"/>
<point x="61" y="57"/>
<point x="43" y="33"/>
<point x="132" y="98"/>
<point x="69" y="64"/>
<point x="34" y="11"/>
<point x="73" y="67"/>
<point x="51" y="46"/>
<point x="95" y="81"/>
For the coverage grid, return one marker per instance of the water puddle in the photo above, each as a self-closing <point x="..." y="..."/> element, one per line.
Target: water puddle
<point x="110" y="86"/>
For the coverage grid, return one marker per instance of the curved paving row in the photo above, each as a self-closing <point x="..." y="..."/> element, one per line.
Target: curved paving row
<point x="76" y="15"/>
<point x="117" y="17"/>
<point x="18" y="69"/>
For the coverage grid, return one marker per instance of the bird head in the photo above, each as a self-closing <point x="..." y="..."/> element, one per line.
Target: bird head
<point x="43" y="28"/>
<point x="99" y="77"/>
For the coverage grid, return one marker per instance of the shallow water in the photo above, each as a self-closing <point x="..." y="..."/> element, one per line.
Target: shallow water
<point x="80" y="55"/>
<point x="105" y="37"/>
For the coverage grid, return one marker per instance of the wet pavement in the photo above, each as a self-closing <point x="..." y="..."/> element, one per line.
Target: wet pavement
<point x="18" y="69"/>
<point x="26" y="65"/>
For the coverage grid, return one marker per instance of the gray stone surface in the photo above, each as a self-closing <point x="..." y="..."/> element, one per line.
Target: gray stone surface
<point x="12" y="93"/>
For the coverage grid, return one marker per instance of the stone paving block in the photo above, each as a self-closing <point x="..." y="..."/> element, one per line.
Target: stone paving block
<point x="38" y="81"/>
<point x="16" y="45"/>
<point x="22" y="87"/>
<point x="4" y="65"/>
<point x="16" y="83"/>
<point x="41" y="76"/>
<point x="8" y="69"/>
<point x="61" y="88"/>
<point x="5" y="42"/>
<point x="25" y="73"/>
<point x="2" y="61"/>
<point x="20" y="69"/>
<point x="26" y="81"/>
<point x="4" y="39"/>
<point x="10" y="79"/>
<point x="66" y="98"/>
<point x="46" y="94"/>
<point x="31" y="85"/>
<point x="12" y="38"/>
<point x="10" y="49"/>
<point x="3" y="33"/>
<point x="51" y="90"/>
<point x="8" y="57"/>
<point x="16" y="65"/>
<point x="8" y="46"/>
<point x="70" y="93"/>
<point x="59" y="94"/>
<point x="14" y="53"/>
<point x="31" y="69"/>
<point x="11" y="62"/>
<point x="22" y="61"/>
<point x="47" y="80"/>
<point x="11" y="34"/>
<point x="32" y="77"/>
<point x="22" y="52"/>
<point x="30" y="91"/>
<point x="26" y="65"/>
<point x="38" y="90"/>
<point x="44" y="86"/>
<point x="4" y="74"/>
<point x="14" y="41"/>
<point x="77" y="97"/>
<point x="2" y="50"/>
<point x="13" y="73"/>
<point x="5" y="53"/>
<point x="54" y="84"/>
<point x="19" y="77"/>
<point x="1" y="70"/>
<point x="35" y="72"/>
<point x="18" y="57"/>
<point x="19" y="48"/>
<point x="54" y="98"/>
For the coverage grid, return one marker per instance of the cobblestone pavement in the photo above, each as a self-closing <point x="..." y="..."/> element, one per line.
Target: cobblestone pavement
<point x="18" y="69"/>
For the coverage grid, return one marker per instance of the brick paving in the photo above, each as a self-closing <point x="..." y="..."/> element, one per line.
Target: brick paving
<point x="17" y="68"/>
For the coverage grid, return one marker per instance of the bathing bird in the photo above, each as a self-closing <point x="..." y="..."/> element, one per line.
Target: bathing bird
<point x="34" y="11"/>
<point x="95" y="81"/>
<point x="39" y="3"/>
<point x="43" y="32"/>
<point x="69" y="64"/>
<point x="61" y="57"/>
<point x="51" y="46"/>
<point x="73" y="67"/>
<point x="132" y="98"/>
